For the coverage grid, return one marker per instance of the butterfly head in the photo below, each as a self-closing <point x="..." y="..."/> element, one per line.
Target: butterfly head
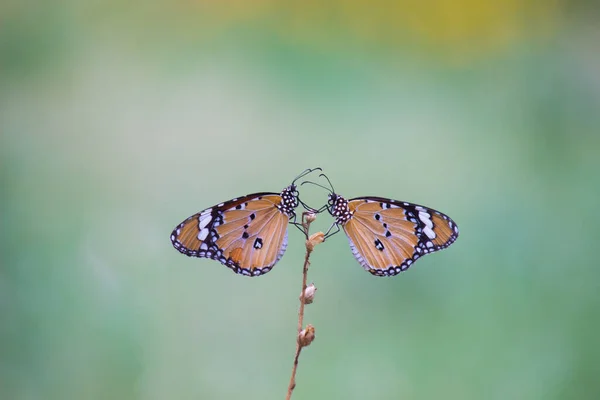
<point x="338" y="208"/>
<point x="289" y="200"/>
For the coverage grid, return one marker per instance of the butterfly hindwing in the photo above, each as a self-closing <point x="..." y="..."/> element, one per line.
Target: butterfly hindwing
<point x="387" y="236"/>
<point x="248" y="234"/>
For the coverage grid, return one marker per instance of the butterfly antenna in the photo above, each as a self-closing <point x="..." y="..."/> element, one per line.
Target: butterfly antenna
<point x="306" y="172"/>
<point x="310" y="208"/>
<point x="316" y="184"/>
<point x="328" y="181"/>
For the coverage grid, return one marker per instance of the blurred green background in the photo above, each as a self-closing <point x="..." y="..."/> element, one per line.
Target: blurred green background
<point x="119" y="120"/>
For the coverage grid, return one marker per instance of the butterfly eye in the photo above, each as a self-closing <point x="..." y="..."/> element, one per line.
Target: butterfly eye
<point x="331" y="206"/>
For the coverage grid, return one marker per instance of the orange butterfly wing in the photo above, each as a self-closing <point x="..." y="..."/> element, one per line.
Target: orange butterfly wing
<point x="387" y="236"/>
<point x="248" y="235"/>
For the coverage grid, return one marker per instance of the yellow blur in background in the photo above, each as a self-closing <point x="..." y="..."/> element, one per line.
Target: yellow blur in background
<point x="117" y="121"/>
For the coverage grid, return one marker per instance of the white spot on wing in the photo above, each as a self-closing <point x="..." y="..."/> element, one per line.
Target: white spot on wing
<point x="429" y="232"/>
<point x="203" y="234"/>
<point x="204" y="221"/>
<point x="426" y="218"/>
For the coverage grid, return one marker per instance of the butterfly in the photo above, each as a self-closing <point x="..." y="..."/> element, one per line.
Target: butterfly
<point x="387" y="236"/>
<point x="247" y="234"/>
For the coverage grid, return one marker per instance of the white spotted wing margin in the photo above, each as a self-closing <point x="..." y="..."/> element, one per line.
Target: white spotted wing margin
<point x="387" y="236"/>
<point x="246" y="234"/>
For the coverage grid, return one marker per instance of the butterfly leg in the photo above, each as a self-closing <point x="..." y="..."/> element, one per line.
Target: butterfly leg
<point x="309" y="208"/>
<point x="300" y="226"/>
<point x="329" y="233"/>
<point x="320" y="210"/>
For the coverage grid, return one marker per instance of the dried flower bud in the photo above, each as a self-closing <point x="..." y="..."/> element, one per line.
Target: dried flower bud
<point x="314" y="240"/>
<point x="310" y="217"/>
<point x="309" y="293"/>
<point x="306" y="336"/>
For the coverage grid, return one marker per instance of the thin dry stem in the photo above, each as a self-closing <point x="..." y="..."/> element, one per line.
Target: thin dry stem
<point x="309" y="249"/>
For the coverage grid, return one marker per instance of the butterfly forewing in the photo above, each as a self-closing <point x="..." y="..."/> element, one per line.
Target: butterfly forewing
<point x="256" y="241"/>
<point x="387" y="236"/>
<point x="249" y="234"/>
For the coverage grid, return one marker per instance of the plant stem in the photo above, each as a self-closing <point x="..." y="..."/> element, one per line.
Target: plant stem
<point x="309" y="249"/>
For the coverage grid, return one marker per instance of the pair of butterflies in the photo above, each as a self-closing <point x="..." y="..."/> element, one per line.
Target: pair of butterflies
<point x="249" y="234"/>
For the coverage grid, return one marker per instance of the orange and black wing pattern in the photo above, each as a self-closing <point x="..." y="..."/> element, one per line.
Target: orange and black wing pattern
<point x="387" y="236"/>
<point x="247" y="234"/>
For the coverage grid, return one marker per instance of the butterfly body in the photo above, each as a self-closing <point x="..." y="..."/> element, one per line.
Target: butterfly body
<point x="247" y="234"/>
<point x="387" y="236"/>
